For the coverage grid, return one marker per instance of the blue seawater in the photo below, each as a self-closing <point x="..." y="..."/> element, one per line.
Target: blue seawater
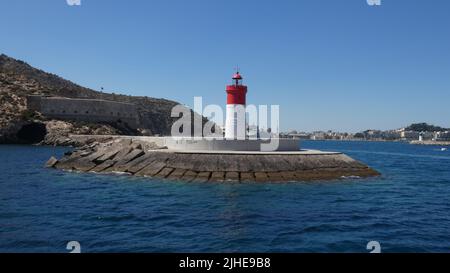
<point x="407" y="209"/>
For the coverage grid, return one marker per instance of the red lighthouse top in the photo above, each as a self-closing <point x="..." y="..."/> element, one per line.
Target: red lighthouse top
<point x="236" y="93"/>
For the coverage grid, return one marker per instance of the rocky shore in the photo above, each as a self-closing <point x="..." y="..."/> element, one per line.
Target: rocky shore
<point x="147" y="159"/>
<point x="20" y="125"/>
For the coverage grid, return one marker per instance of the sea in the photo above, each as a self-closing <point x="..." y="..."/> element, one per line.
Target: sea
<point x="406" y="209"/>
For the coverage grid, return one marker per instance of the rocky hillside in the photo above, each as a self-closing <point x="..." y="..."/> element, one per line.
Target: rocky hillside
<point x="18" y="79"/>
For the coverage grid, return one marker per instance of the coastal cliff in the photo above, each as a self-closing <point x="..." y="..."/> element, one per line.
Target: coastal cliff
<point x="21" y="125"/>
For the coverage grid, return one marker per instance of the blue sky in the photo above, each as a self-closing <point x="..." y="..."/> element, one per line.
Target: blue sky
<point x="330" y="64"/>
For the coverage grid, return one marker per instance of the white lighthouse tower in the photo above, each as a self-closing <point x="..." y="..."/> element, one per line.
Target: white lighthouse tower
<point x="235" y="125"/>
<point x="236" y="138"/>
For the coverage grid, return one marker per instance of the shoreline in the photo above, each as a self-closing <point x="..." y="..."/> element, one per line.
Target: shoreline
<point x="78" y="140"/>
<point x="430" y="143"/>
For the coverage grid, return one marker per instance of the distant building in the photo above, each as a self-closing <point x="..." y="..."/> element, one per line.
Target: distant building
<point x="297" y="135"/>
<point x="442" y="136"/>
<point x="409" y="135"/>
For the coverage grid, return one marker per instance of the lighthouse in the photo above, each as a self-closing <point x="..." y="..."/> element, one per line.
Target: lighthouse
<point x="235" y="124"/>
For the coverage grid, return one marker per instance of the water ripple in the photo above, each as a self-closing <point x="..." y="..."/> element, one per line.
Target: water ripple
<point x="406" y="209"/>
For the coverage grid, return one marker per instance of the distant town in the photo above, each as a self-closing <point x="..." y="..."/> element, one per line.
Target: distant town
<point x="418" y="133"/>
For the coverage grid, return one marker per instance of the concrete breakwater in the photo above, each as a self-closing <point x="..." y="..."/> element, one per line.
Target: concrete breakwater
<point x="146" y="158"/>
<point x="430" y="142"/>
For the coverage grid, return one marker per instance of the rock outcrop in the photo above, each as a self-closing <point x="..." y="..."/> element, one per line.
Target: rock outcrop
<point x="142" y="158"/>
<point x="18" y="79"/>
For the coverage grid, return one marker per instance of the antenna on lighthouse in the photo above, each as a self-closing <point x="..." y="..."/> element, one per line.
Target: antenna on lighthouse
<point x="237" y="77"/>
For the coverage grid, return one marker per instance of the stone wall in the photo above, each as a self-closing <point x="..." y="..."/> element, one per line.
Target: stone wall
<point x="205" y="144"/>
<point x="89" y="110"/>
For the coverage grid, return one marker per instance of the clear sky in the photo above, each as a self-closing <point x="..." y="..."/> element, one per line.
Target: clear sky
<point x="330" y="64"/>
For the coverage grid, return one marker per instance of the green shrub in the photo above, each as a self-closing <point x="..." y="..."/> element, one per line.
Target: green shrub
<point x="29" y="115"/>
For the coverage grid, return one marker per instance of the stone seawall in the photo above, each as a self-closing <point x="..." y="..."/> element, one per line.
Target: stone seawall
<point x="430" y="142"/>
<point x="89" y="110"/>
<point x="148" y="159"/>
